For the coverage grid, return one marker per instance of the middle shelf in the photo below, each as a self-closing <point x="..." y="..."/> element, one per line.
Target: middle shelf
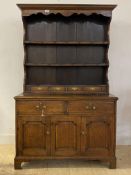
<point x="67" y="65"/>
<point x="68" y="55"/>
<point x="66" y="42"/>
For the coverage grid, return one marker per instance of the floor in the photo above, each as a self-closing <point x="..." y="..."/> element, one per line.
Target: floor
<point x="65" y="167"/>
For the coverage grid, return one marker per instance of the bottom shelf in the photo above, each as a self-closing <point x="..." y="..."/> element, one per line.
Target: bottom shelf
<point x="66" y="75"/>
<point x="68" y="89"/>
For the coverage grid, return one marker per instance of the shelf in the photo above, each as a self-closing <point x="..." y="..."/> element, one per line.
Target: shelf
<point x="66" y="43"/>
<point x="68" y="65"/>
<point x="66" y="51"/>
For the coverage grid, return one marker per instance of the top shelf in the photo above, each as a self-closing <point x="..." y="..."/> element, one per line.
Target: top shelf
<point x="66" y="43"/>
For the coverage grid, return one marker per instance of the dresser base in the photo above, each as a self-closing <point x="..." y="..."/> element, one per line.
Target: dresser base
<point x="19" y="160"/>
<point x="65" y="127"/>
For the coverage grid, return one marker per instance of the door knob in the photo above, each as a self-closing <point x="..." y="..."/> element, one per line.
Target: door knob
<point x="47" y="133"/>
<point x="94" y="108"/>
<point x="87" y="107"/>
<point x="83" y="133"/>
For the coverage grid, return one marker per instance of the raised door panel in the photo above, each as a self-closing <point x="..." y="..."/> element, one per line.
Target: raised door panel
<point x="65" y="136"/>
<point x="33" y="136"/>
<point x="97" y="136"/>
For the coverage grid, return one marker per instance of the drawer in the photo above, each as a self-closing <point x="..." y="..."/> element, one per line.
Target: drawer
<point x="48" y="89"/>
<point x="94" y="89"/>
<point x="39" y="89"/>
<point x="74" y="89"/>
<point x="100" y="89"/>
<point x="57" y="89"/>
<point x="87" y="89"/>
<point x="93" y="107"/>
<point x="37" y="107"/>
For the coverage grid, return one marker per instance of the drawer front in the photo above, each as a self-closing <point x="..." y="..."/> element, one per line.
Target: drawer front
<point x="85" y="89"/>
<point x="39" y="107"/>
<point x="39" y="89"/>
<point x="57" y="89"/>
<point x="93" y="107"/>
<point x="74" y="89"/>
<point x="53" y="107"/>
<point x="95" y="89"/>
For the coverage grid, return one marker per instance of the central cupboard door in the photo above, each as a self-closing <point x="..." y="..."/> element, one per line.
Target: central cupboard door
<point x="65" y="135"/>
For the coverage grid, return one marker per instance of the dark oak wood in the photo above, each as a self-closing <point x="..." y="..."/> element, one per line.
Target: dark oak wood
<point x="33" y="138"/>
<point x="63" y="41"/>
<point x="97" y="136"/>
<point x="67" y="6"/>
<point x="65" y="111"/>
<point x="113" y="163"/>
<point x="66" y="43"/>
<point x="66" y="9"/>
<point x="71" y="126"/>
<point x="69" y="143"/>
<point x="81" y="65"/>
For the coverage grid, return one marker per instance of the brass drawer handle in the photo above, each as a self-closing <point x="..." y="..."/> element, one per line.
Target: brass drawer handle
<point x="90" y="107"/>
<point x="39" y="88"/>
<point x="92" y="88"/>
<point x="57" y="88"/>
<point x="41" y="108"/>
<point x="74" y="88"/>
<point x="37" y="107"/>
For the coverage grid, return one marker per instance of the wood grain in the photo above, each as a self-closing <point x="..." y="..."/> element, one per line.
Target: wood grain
<point x="65" y="167"/>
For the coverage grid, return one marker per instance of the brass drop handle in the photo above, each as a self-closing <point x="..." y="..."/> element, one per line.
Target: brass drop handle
<point x="42" y="108"/>
<point x="43" y="111"/>
<point x="90" y="107"/>
<point x="47" y="132"/>
<point x="74" y="88"/>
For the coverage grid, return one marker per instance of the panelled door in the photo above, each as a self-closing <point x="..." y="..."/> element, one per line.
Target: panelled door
<point x="97" y="136"/>
<point x="65" y="135"/>
<point x="33" y="136"/>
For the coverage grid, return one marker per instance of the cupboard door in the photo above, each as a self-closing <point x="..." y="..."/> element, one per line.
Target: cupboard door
<point x="65" y="135"/>
<point x="33" y="136"/>
<point x="97" y="136"/>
